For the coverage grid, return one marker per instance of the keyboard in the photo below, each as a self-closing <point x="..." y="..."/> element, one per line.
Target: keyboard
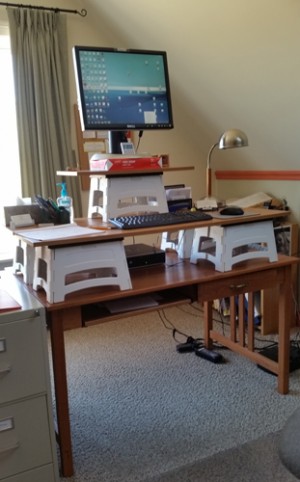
<point x="158" y="219"/>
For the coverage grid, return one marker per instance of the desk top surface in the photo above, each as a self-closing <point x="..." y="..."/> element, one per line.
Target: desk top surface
<point x="98" y="231"/>
<point x="175" y="273"/>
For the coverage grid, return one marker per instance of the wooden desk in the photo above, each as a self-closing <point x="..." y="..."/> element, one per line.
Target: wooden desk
<point x="185" y="281"/>
<point x="204" y="284"/>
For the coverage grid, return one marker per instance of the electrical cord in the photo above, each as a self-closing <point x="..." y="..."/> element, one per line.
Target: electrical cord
<point x="224" y="323"/>
<point x="197" y="345"/>
<point x="199" y="309"/>
<point x="165" y="320"/>
<point x="267" y="342"/>
<point x="190" y="344"/>
<point x="140" y="136"/>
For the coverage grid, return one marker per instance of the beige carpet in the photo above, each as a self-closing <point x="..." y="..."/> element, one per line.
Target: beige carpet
<point x="255" y="461"/>
<point x="139" y="410"/>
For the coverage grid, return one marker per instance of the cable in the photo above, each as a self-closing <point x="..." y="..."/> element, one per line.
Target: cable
<point x="190" y="344"/>
<point x="140" y="136"/>
<point x="164" y="320"/>
<point x="196" y="345"/>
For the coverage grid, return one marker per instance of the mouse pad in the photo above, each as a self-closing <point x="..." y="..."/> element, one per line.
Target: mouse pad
<point x="216" y="214"/>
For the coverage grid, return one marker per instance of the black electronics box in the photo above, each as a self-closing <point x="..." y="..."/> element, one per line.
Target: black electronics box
<point x="139" y="255"/>
<point x="272" y="353"/>
<point x="180" y="204"/>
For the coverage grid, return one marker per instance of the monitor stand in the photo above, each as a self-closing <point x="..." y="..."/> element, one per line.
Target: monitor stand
<point x="114" y="141"/>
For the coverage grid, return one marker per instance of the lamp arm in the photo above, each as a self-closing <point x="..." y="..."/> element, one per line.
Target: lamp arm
<point x="231" y="138"/>
<point x="208" y="170"/>
<point x="210" y="153"/>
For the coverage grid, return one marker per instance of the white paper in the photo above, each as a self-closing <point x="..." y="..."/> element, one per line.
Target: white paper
<point x="94" y="146"/>
<point x="89" y="134"/>
<point x="56" y="232"/>
<point x="250" y="201"/>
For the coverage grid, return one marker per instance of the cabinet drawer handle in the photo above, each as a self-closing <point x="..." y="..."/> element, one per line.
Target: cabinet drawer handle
<point x="237" y="287"/>
<point x="9" y="448"/>
<point x="5" y="370"/>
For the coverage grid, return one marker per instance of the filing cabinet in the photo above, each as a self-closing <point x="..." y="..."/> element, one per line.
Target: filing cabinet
<point x="27" y="439"/>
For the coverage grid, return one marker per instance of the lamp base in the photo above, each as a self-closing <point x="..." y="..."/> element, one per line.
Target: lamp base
<point x="207" y="204"/>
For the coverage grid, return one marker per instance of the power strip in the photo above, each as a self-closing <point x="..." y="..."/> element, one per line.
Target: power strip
<point x="210" y="355"/>
<point x="190" y="345"/>
<point x="185" y="347"/>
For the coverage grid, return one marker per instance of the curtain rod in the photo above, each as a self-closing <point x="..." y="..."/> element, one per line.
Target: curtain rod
<point x="82" y="13"/>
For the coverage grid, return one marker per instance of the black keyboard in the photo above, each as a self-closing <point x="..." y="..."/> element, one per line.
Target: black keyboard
<point x="158" y="219"/>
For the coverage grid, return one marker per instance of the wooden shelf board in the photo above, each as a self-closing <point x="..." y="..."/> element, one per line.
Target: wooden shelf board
<point x="95" y="314"/>
<point x="124" y="172"/>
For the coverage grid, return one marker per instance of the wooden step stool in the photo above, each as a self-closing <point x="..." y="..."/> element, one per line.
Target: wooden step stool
<point x="63" y="270"/>
<point x="228" y="245"/>
<point x="112" y="196"/>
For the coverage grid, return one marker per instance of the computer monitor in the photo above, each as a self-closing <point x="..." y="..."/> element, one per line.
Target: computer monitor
<point x="122" y="90"/>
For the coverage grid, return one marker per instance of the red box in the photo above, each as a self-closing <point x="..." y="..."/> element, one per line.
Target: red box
<point x="126" y="163"/>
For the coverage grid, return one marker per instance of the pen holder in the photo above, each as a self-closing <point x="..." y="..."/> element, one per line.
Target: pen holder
<point x="62" y="216"/>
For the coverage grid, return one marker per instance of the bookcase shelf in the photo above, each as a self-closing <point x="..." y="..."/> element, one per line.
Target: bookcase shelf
<point x="286" y="236"/>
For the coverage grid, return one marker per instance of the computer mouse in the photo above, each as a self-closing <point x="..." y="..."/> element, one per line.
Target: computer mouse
<point x="231" y="211"/>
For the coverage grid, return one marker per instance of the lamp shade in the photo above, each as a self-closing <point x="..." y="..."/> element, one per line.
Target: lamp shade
<point x="229" y="140"/>
<point x="233" y="138"/>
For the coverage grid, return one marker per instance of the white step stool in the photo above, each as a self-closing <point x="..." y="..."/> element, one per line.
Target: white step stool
<point x="121" y="195"/>
<point x="228" y="245"/>
<point x="64" y="270"/>
<point x="180" y="241"/>
<point x="24" y="261"/>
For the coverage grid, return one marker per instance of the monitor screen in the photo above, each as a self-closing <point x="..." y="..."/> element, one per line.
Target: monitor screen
<point x="122" y="89"/>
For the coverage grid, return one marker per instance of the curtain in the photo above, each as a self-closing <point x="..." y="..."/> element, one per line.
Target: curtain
<point x="40" y="65"/>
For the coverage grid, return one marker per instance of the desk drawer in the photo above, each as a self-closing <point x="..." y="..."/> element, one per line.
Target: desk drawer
<point x="24" y="436"/>
<point x="22" y="361"/>
<point x="235" y="285"/>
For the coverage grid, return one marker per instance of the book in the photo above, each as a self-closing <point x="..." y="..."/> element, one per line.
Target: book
<point x="7" y="302"/>
<point x="125" y="163"/>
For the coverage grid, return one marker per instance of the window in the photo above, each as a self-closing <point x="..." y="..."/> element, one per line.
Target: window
<point x="10" y="183"/>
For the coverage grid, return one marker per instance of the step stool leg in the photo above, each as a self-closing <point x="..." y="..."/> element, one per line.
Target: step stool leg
<point x="24" y="261"/>
<point x="95" y="197"/>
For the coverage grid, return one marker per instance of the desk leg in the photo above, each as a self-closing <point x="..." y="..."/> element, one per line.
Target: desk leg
<point x="285" y="304"/>
<point x="61" y="391"/>
<point x="208" y="310"/>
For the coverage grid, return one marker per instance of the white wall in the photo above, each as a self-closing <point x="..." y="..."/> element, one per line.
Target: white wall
<point x="233" y="63"/>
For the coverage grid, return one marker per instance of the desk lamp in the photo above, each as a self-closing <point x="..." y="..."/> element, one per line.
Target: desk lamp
<point x="229" y="140"/>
